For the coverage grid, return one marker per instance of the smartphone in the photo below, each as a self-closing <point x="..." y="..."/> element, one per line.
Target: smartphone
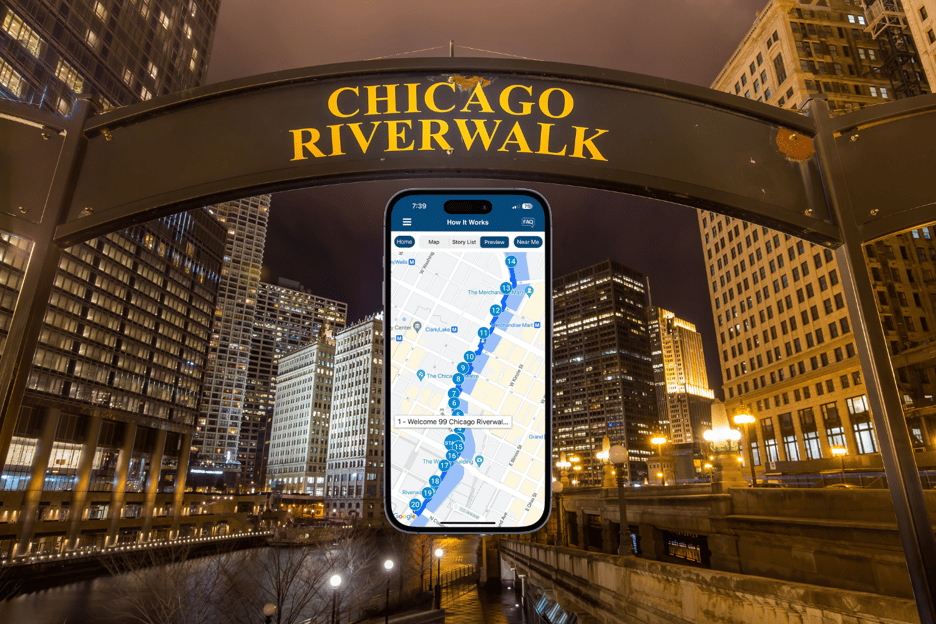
<point x="468" y="339"/>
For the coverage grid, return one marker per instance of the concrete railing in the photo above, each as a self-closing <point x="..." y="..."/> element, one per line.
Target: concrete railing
<point x="609" y="588"/>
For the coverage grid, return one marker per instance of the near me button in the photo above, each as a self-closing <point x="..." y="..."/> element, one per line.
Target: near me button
<point x="528" y="241"/>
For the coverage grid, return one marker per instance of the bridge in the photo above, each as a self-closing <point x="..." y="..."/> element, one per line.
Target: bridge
<point x="708" y="553"/>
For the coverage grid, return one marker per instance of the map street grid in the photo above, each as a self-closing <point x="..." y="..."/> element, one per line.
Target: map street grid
<point x="467" y="347"/>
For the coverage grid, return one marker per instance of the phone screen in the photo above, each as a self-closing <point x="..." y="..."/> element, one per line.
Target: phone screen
<point x="468" y="337"/>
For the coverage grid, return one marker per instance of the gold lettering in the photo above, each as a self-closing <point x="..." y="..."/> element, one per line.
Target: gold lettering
<point x="428" y="135"/>
<point x="333" y="102"/>
<point x="517" y="139"/>
<point x="390" y="99"/>
<point x="299" y="146"/>
<point x="525" y="107"/>
<point x="393" y="135"/>
<point x="480" y="130"/>
<point x="581" y="142"/>
<point x="430" y="97"/>
<point x="336" y="141"/>
<point x="411" y="97"/>
<point x="566" y="106"/>
<point x="356" y="131"/>
<point x="544" y="141"/>
<point x="481" y="100"/>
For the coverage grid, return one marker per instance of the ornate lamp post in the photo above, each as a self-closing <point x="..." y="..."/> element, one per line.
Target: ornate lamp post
<point x="711" y="470"/>
<point x="576" y="467"/>
<point x="269" y="610"/>
<point x="840" y="452"/>
<point x="746" y="420"/>
<point x="563" y="467"/>
<point x="618" y="456"/>
<point x="388" y="566"/>
<point x="335" y="582"/>
<point x="660" y="441"/>
<point x="557" y="488"/>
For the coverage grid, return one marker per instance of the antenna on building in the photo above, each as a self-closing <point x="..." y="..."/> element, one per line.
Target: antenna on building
<point x="885" y="25"/>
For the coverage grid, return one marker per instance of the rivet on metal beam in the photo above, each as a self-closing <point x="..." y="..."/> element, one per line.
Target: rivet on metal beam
<point x="873" y="211"/>
<point x="854" y="137"/>
<point x="107" y="135"/>
<point x="808" y="212"/>
<point x="46" y="136"/>
<point x="793" y="146"/>
<point x="22" y="209"/>
<point x="87" y="210"/>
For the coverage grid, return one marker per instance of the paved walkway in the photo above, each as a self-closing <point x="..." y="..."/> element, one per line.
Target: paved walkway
<point x="494" y="604"/>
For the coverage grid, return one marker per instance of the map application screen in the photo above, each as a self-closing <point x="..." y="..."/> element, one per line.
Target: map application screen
<point x="468" y="334"/>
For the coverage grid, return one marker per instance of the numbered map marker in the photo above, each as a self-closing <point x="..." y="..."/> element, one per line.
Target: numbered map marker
<point x="452" y="440"/>
<point x="529" y="291"/>
<point x="415" y="504"/>
<point x="506" y="287"/>
<point x="435" y="481"/>
<point x="458" y="378"/>
<point x="453" y="403"/>
<point x="484" y="332"/>
<point x="470" y="356"/>
<point x="427" y="492"/>
<point x="463" y="368"/>
<point x="420" y="373"/>
<point x="496" y="310"/>
<point x="454" y="392"/>
<point x="444" y="465"/>
<point x="511" y="261"/>
<point x="452" y="455"/>
<point x="460" y="431"/>
<point x="457" y="413"/>
<point x="479" y="460"/>
<point x="417" y="326"/>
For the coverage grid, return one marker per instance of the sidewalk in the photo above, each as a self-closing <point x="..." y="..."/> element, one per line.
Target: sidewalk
<point x="494" y="604"/>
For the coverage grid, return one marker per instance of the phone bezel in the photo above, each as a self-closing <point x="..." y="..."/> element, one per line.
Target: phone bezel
<point x="547" y="368"/>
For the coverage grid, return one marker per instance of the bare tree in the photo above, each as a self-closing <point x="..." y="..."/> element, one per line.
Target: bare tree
<point x="166" y="585"/>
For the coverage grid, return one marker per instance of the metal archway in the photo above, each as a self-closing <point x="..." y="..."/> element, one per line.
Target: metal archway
<point x="815" y="177"/>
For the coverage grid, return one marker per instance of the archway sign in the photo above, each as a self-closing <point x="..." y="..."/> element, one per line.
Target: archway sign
<point x="838" y="182"/>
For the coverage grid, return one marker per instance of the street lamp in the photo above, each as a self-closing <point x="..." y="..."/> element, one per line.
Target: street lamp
<point x="840" y="452"/>
<point x="711" y="472"/>
<point x="660" y="441"/>
<point x="269" y="610"/>
<point x="746" y="420"/>
<point x="557" y="488"/>
<point x="563" y="467"/>
<point x="335" y="582"/>
<point x="437" y="599"/>
<point x="388" y="566"/>
<point x="618" y="456"/>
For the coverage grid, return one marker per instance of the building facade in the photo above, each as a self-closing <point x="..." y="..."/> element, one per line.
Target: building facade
<point x="787" y="349"/>
<point x="355" y="467"/>
<point x="287" y="317"/>
<point x="299" y="438"/>
<point x="100" y="448"/>
<point x="225" y="384"/>
<point x="684" y="398"/>
<point x="602" y="369"/>
<point x="119" y="52"/>
<point x="922" y="24"/>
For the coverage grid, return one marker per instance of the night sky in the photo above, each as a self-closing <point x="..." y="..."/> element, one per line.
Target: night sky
<point x="329" y="238"/>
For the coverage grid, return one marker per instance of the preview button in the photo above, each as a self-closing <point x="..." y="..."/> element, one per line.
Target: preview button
<point x="528" y="241"/>
<point x="404" y="241"/>
<point x="495" y="242"/>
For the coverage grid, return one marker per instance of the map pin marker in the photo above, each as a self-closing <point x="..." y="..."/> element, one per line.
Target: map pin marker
<point x="479" y="460"/>
<point x="417" y="325"/>
<point x="529" y="291"/>
<point x="420" y="373"/>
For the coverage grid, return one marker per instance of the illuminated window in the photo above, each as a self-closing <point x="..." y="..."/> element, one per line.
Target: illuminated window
<point x="164" y="19"/>
<point x="69" y="75"/>
<point x="92" y="39"/>
<point x="10" y="79"/>
<point x="128" y="77"/>
<point x="14" y="26"/>
<point x="152" y="69"/>
<point x="100" y="11"/>
<point x="62" y="107"/>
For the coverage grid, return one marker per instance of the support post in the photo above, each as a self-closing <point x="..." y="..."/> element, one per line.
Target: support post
<point x="119" y="494"/>
<point x="178" y="492"/>
<point x="152" y="485"/>
<point x="83" y="482"/>
<point x="40" y="464"/>
<point x="903" y="478"/>
<point x="26" y="324"/>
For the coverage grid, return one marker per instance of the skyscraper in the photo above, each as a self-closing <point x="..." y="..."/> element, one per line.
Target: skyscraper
<point x="114" y="390"/>
<point x="300" y="436"/>
<point x="684" y="398"/>
<point x="602" y="370"/>
<point x="225" y="381"/>
<point x="354" y="474"/>
<point x="786" y="345"/>
<point x="287" y="317"/>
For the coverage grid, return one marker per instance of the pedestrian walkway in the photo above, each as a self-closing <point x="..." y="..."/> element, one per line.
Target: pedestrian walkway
<point x="493" y="604"/>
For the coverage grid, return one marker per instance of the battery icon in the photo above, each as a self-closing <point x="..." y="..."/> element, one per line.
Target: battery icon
<point x="528" y="206"/>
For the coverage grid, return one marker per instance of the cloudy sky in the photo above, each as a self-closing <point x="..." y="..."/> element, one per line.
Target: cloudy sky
<point x="329" y="238"/>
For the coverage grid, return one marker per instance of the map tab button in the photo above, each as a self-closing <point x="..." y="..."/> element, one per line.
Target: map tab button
<point x="404" y="241"/>
<point x="495" y="242"/>
<point x="528" y="241"/>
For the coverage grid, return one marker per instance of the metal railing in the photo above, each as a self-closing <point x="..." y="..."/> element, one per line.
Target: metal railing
<point x="455" y="582"/>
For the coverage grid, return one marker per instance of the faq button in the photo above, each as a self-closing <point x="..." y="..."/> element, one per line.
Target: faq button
<point x="528" y="241"/>
<point x="404" y="241"/>
<point x="495" y="242"/>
